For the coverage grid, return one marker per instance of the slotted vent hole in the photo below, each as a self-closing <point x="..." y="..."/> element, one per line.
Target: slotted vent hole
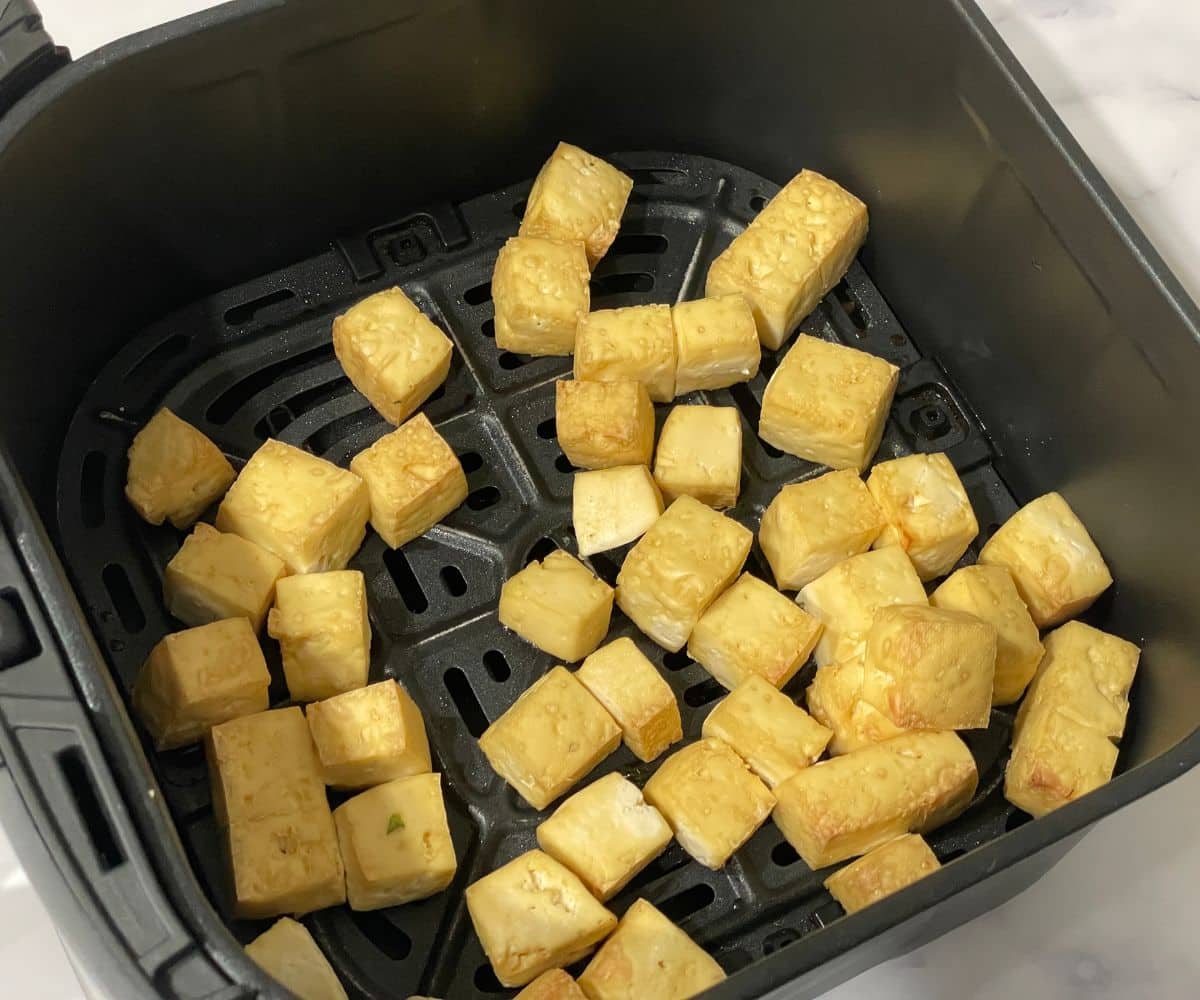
<point x="406" y="581"/>
<point x="496" y="664"/>
<point x="691" y="900"/>
<point x="463" y="696"/>
<point x="453" y="580"/>
<point x="483" y="498"/>
<point x="124" y="600"/>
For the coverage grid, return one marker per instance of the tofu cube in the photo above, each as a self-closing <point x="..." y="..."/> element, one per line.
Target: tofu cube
<point x="175" y="472"/>
<point x="559" y="605"/>
<point x="753" y="630"/>
<point x="828" y="403"/>
<point x="540" y="290"/>
<point x="634" y="693"/>
<point x="216" y="575"/>
<point x="395" y="842"/>
<point x="199" y="678"/>
<point x="288" y="953"/>
<point x="812" y="526"/>
<point x="988" y="592"/>
<point x="881" y="872"/>
<point x="613" y="507"/>
<point x="649" y="958"/>
<point x="577" y="196"/>
<point x="414" y="480"/>
<point x="307" y="511"/>
<point x="792" y="254"/>
<point x="552" y="736"/>
<point x="844" y="807"/>
<point x="700" y="455"/>
<point x="846" y="598"/>
<point x="929" y="668"/>
<point x="369" y="736"/>
<point x="1056" y="566"/>
<point x="678" y="568"/>
<point x="712" y="800"/>
<point x="552" y="985"/>
<point x="533" y="915"/>
<point x="716" y="343"/>
<point x="835" y="699"/>
<point x="1064" y="740"/>
<point x="769" y="731"/>
<point x="634" y="343"/>
<point x="604" y="424"/>
<point x="605" y="834"/>
<point x="392" y="353"/>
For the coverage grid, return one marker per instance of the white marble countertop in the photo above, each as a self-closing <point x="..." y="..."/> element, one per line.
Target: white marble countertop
<point x="1116" y="918"/>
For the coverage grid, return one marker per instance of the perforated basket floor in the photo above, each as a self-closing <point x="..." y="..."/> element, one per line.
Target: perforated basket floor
<point x="256" y="361"/>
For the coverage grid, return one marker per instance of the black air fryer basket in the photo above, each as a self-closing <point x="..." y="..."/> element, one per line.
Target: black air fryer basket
<point x="185" y="211"/>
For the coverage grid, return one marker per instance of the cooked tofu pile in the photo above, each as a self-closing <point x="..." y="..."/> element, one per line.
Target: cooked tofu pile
<point x="920" y="630"/>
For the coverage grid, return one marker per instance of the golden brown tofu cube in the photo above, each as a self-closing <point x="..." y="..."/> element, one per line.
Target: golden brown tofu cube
<point x="395" y="842"/>
<point x="392" y="353"/>
<point x="700" y="455"/>
<point x="881" y="872"/>
<point x="649" y="958"/>
<point x="716" y="343"/>
<point x="552" y="736"/>
<point x="540" y="289"/>
<point x="844" y="807"/>
<point x="288" y="953"/>
<point x="577" y="196"/>
<point x="605" y="834"/>
<point x="634" y="693"/>
<point x="712" y="800"/>
<point x="828" y="403"/>
<point x="559" y="605"/>
<point x="1055" y="564"/>
<point x="199" y="678"/>
<point x="175" y="472"/>
<point x="634" y="343"/>
<point x="835" y="699"/>
<point x="414" y="480"/>
<point x="533" y="915"/>
<point x="612" y="507"/>
<point x="678" y="568"/>
<point x="604" y="424"/>
<point x="812" y="526"/>
<point x="846" y="598"/>
<point x="988" y="592"/>
<point x="769" y="731"/>
<point x="753" y="630"/>
<point x="307" y="511"/>
<point x="216" y="575"/>
<point x="799" y="247"/>
<point x="369" y="736"/>
<point x="552" y="985"/>
<point x="1064" y="740"/>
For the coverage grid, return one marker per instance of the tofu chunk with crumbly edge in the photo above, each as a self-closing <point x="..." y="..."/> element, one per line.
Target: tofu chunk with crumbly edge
<point x="1066" y="733"/>
<point x="678" y="568"/>
<point x="716" y="343"/>
<point x="882" y="872"/>
<point x="369" y="736"/>
<point x="633" y="343"/>
<point x="553" y="984"/>
<point x="392" y="353"/>
<point x="796" y="249"/>
<point x="1056" y="566"/>
<point x="289" y="955"/>
<point x="199" y="678"/>
<point x="551" y="737"/>
<point x="649" y="958"/>
<point x="559" y="605"/>
<point x="604" y="424"/>
<point x="540" y="290"/>
<point x="812" y="526"/>
<point x="286" y="864"/>
<point x="175" y="472"/>
<point x="533" y="914"/>
<point x="828" y="403"/>
<point x="612" y="507"/>
<point x="414" y="480"/>
<point x="835" y="699"/>
<point x="306" y="510"/>
<point x="577" y="196"/>
<point x="606" y="833"/>
<point x="634" y="693"/>
<point x="712" y="800"/>
<point x="769" y="731"/>
<point x="700" y="455"/>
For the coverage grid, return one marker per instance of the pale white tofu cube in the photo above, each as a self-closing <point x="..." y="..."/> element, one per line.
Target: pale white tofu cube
<point x="554" y="984"/>
<point x="716" y="343"/>
<point x="559" y="605"/>
<point x="288" y="953"/>
<point x="634" y="343"/>
<point x="604" y="424"/>
<point x="700" y="455"/>
<point x="612" y="507"/>
<point x="879" y="873"/>
<point x="835" y="699"/>
<point x="540" y="290"/>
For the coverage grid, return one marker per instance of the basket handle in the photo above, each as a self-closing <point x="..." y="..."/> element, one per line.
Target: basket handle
<point x="27" y="52"/>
